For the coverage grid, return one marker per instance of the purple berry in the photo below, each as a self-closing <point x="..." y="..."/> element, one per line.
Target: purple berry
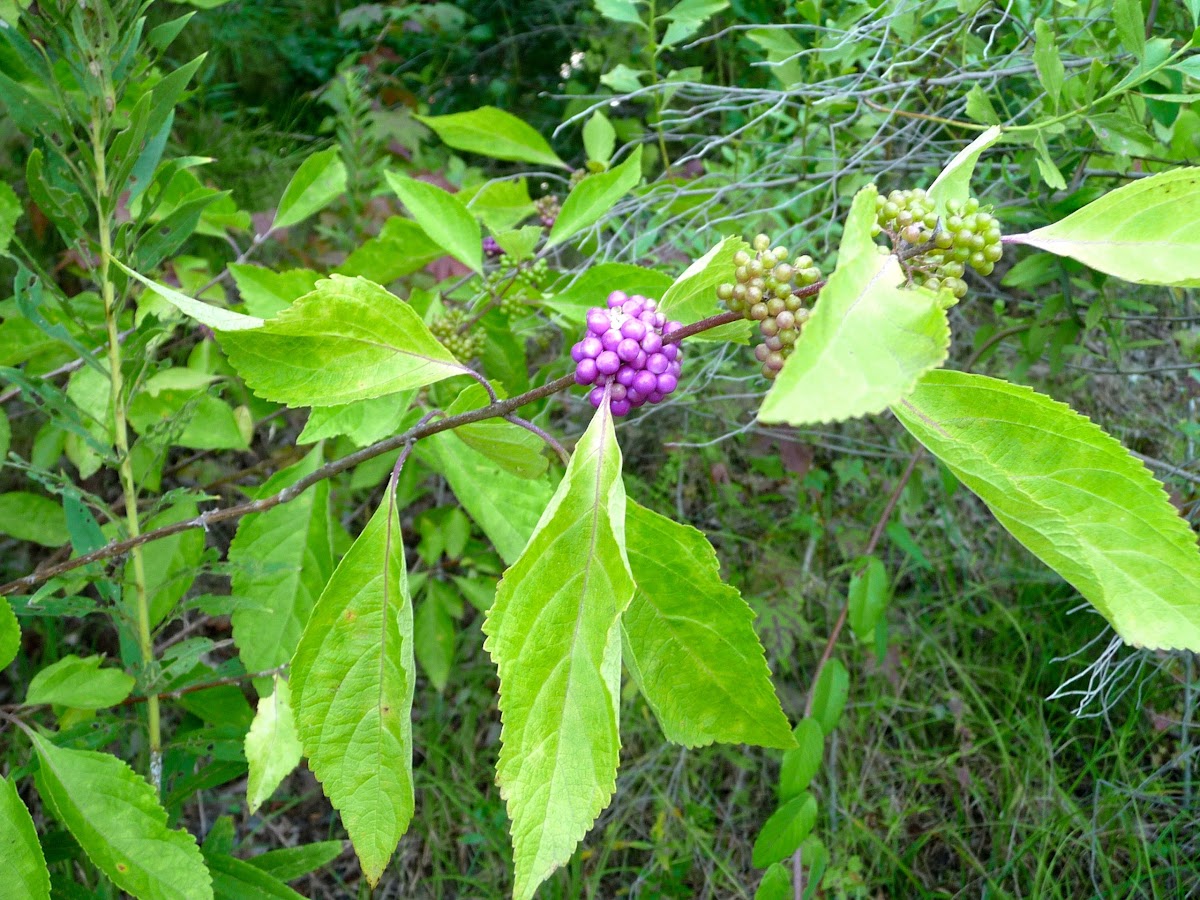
<point x="645" y="382"/>
<point x="608" y="362"/>
<point x="591" y="347"/>
<point x="672" y="326"/>
<point x="618" y="391"/>
<point x="586" y="371"/>
<point x="635" y="398"/>
<point x="667" y="383"/>
<point x="675" y="368"/>
<point x="491" y="248"/>
<point x="616" y="298"/>
<point x="577" y="352"/>
<point x="670" y="351"/>
<point x="655" y="397"/>
<point x="619" y="407"/>
<point x="652" y="343"/>
<point x="598" y="322"/>
<point x="625" y="376"/>
<point x="639" y="361"/>
<point x="633" y="329"/>
<point x="628" y="349"/>
<point x="611" y="339"/>
<point x="657" y="363"/>
<point x="596" y="396"/>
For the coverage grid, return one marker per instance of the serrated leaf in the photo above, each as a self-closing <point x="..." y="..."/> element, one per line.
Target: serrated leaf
<point x="553" y="634"/>
<point x="114" y="815"/>
<point x="1073" y="496"/>
<point x="830" y="694"/>
<point x="364" y="422"/>
<point x="80" y="683"/>
<point x="1131" y="25"/>
<point x="504" y="505"/>
<point x="205" y="313"/>
<point x="236" y="879"/>
<point x="599" y="138"/>
<point x="690" y="641"/>
<point x="785" y="831"/>
<point x="10" y="634"/>
<point x="622" y="79"/>
<point x="272" y="746"/>
<point x="980" y="108"/>
<point x="266" y="293"/>
<point x="867" y="598"/>
<point x="503" y="204"/>
<point x="619" y="10"/>
<point x="1047" y="62"/>
<point x="290" y="863"/>
<point x="319" y="181"/>
<point x="494" y="133"/>
<point x="352" y="690"/>
<point x="347" y="340"/>
<point x="800" y="765"/>
<point x="281" y="561"/>
<point x="26" y="876"/>
<point x="776" y="884"/>
<point x="400" y="248"/>
<point x="868" y="340"/>
<point x="595" y="284"/>
<point x="954" y="182"/>
<point x="686" y="17"/>
<point x="443" y="217"/>
<point x="32" y="517"/>
<point x="693" y="295"/>
<point x="1147" y="231"/>
<point x="515" y="449"/>
<point x="519" y="243"/>
<point x="593" y="197"/>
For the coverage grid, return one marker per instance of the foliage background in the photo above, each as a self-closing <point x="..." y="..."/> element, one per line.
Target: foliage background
<point x="951" y="774"/>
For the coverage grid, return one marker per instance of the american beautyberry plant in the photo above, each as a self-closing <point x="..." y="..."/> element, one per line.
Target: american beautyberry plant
<point x="437" y="384"/>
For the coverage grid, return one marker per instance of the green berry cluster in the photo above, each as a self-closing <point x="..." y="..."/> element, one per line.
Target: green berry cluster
<point x="964" y="237"/>
<point x="517" y="283"/>
<point x="764" y="291"/>
<point x="448" y="328"/>
<point x="578" y="175"/>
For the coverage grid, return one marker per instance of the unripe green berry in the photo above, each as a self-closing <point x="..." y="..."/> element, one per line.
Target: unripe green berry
<point x="761" y="242"/>
<point x="783" y="272"/>
<point x="725" y="292"/>
<point x="775" y="306"/>
<point x="741" y="258"/>
<point x="769" y="327"/>
<point x="993" y="252"/>
<point x="759" y="311"/>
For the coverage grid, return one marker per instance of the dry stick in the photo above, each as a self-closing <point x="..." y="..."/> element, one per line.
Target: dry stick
<point x="827" y="654"/>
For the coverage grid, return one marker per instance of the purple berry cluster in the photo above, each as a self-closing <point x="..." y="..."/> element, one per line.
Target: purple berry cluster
<point x="624" y="348"/>
<point x="492" y="248"/>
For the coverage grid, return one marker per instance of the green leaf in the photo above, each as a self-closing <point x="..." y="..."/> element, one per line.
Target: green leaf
<point x="266" y="293"/>
<point x="26" y="876"/>
<point x="1073" y="496"/>
<point x="116" y="818"/>
<point x="516" y="449"/>
<point x="954" y="182"/>
<point x="1131" y="25"/>
<point x="10" y="634"/>
<point x="1147" y="231"/>
<point x="597" y="282"/>
<point x="352" y="689"/>
<point x="801" y="765"/>
<point x="776" y="884"/>
<point x="34" y="518"/>
<point x="829" y="695"/>
<point x="1047" y="62"/>
<point x="867" y="598"/>
<point x="594" y="196"/>
<point x="783" y="53"/>
<point x="10" y="211"/>
<point x="554" y="635"/>
<point x="290" y="863"/>
<point x="272" y="746"/>
<point x="494" y="133"/>
<point x="364" y="422"/>
<point x="281" y="561"/>
<point x="693" y="295"/>
<point x="599" y="138"/>
<point x="686" y="17"/>
<point x="619" y="10"/>
<point x="433" y="637"/>
<point x="868" y="341"/>
<point x="502" y="205"/>
<point x="980" y="108"/>
<point x="347" y="340"/>
<point x="79" y="683"/>
<point x="690" y="641"/>
<point x="622" y="79"/>
<point x="443" y="217"/>
<point x="400" y="249"/>
<point x="519" y="243"/>
<point x="236" y="879"/>
<point x="173" y="565"/>
<point x="783" y="833"/>
<point x="204" y="313"/>
<point x="319" y="181"/>
<point x="505" y="506"/>
<point x="5" y="436"/>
